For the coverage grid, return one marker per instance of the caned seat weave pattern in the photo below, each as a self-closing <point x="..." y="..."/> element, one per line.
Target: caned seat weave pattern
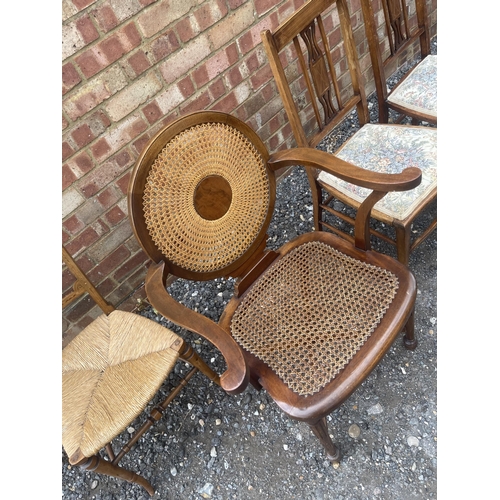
<point x="308" y="342"/>
<point x="110" y="372"/>
<point x="186" y="238"/>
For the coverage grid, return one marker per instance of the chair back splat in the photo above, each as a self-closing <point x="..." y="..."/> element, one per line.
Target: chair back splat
<point x="327" y="103"/>
<point x="110" y="372"/>
<point x="318" y="97"/>
<point x="307" y="322"/>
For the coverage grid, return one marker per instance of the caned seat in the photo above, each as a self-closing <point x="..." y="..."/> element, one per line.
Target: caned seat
<point x="308" y="321"/>
<point x="111" y="371"/>
<point x="350" y="298"/>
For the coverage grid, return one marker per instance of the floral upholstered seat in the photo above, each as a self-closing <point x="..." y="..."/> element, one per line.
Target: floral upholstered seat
<point x="390" y="149"/>
<point x="418" y="92"/>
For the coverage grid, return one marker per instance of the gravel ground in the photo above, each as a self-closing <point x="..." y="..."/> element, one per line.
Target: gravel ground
<point x="212" y="445"/>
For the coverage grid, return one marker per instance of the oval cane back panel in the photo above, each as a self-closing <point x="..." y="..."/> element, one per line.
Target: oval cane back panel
<point x="186" y="238"/>
<point x="309" y="314"/>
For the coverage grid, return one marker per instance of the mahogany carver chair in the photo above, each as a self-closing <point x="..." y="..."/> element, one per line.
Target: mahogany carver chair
<point x="415" y="94"/>
<point x="110" y="372"/>
<point x="306" y="71"/>
<point x="307" y="322"/>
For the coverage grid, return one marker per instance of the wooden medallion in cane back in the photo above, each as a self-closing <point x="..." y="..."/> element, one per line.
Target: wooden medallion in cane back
<point x="308" y="342"/>
<point x="206" y="197"/>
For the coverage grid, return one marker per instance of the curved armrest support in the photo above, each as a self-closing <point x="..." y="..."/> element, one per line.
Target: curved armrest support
<point x="235" y="379"/>
<point x="314" y="158"/>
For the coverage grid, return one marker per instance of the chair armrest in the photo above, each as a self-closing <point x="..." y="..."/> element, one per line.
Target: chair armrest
<point x="379" y="183"/>
<point x="235" y="379"/>
<point x="314" y="158"/>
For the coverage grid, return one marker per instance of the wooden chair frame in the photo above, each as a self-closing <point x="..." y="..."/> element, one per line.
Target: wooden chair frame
<point x="400" y="38"/>
<point x="256" y="260"/>
<point x="320" y="78"/>
<point x="110" y="465"/>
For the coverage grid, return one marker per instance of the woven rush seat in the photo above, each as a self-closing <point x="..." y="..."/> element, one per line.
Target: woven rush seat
<point x="110" y="372"/>
<point x="418" y="92"/>
<point x="390" y="149"/>
<point x="308" y="342"/>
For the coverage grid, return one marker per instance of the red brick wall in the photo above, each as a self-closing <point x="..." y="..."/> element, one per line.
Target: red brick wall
<point x="131" y="66"/>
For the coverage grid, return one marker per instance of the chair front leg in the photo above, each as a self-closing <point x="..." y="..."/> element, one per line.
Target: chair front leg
<point x="409" y="339"/>
<point x="101" y="466"/>
<point x="189" y="354"/>
<point x="320" y="430"/>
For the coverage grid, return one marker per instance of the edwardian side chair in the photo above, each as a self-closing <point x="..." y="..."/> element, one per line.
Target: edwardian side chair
<point x="415" y="94"/>
<point x="110" y="372"/>
<point x="321" y="86"/>
<point x="307" y="322"/>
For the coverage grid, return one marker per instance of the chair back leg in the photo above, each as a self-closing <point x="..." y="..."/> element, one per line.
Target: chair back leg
<point x="403" y="240"/>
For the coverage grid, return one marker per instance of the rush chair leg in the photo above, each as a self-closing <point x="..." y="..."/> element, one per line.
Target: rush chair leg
<point x="101" y="466"/>
<point x="320" y="430"/>
<point x="189" y="355"/>
<point x="111" y="468"/>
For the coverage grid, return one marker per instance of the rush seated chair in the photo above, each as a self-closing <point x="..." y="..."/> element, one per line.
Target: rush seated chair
<point x="110" y="372"/>
<point x="389" y="41"/>
<point x="321" y="87"/>
<point x="307" y="322"/>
